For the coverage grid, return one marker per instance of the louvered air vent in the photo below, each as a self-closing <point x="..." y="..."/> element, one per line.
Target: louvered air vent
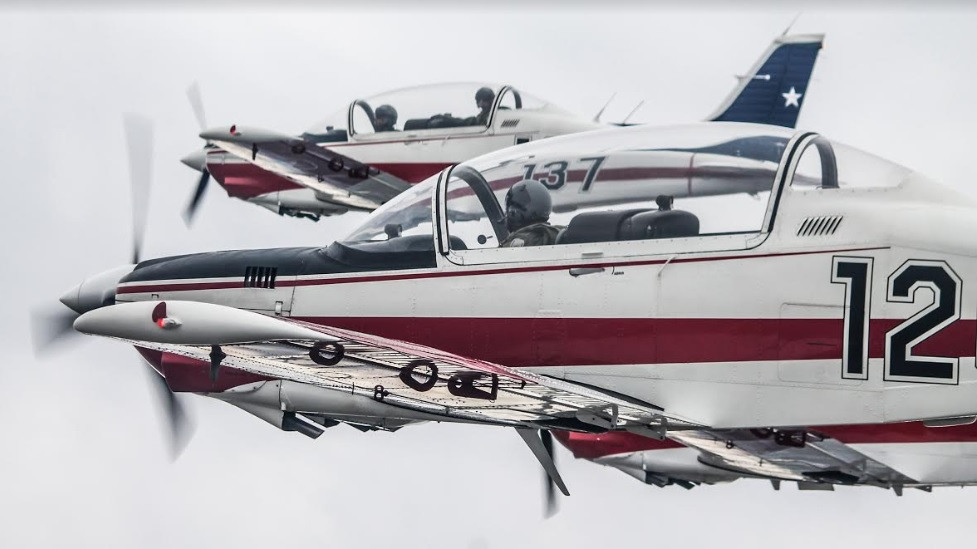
<point x="511" y="123"/>
<point x="260" y="277"/>
<point x="819" y="226"/>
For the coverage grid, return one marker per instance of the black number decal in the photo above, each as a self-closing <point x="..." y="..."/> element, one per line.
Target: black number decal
<point x="856" y="274"/>
<point x="592" y="171"/>
<point x="556" y="173"/>
<point x="900" y="363"/>
<point x="557" y="176"/>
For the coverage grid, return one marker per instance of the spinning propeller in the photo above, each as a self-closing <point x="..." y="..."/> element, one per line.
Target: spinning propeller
<point x="540" y="442"/>
<point x="550" y="486"/>
<point x="51" y="327"/>
<point x="197" y="159"/>
<point x="139" y="142"/>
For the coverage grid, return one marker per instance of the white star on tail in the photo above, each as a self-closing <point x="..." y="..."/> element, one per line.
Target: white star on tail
<point x="792" y="98"/>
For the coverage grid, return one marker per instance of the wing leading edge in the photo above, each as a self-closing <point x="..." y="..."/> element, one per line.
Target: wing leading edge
<point x="335" y="178"/>
<point x="398" y="373"/>
<point x="436" y="383"/>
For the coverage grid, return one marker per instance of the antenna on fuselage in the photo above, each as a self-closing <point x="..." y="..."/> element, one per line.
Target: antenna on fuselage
<point x="630" y="114"/>
<point x="794" y="20"/>
<point x="602" y="109"/>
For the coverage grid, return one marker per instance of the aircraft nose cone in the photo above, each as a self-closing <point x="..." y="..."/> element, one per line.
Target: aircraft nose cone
<point x="95" y="291"/>
<point x="196" y="160"/>
<point x="71" y="300"/>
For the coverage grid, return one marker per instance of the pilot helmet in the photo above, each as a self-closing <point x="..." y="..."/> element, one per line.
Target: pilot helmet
<point x="388" y="112"/>
<point x="664" y="201"/>
<point x="527" y="202"/>
<point x="484" y="94"/>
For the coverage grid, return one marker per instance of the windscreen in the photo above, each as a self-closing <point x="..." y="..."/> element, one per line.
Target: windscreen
<point x="827" y="164"/>
<point x="623" y="184"/>
<point x="409" y="213"/>
<point x="330" y="129"/>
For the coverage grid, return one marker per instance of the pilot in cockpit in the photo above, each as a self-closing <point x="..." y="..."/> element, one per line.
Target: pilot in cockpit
<point x="527" y="212"/>
<point x="664" y="202"/>
<point x="483" y="98"/>
<point x="384" y="118"/>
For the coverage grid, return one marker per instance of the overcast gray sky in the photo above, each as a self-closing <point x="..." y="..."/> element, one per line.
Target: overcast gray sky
<point x="82" y="460"/>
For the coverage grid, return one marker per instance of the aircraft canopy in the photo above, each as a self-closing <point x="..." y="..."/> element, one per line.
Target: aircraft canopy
<point x="451" y="108"/>
<point x="617" y="184"/>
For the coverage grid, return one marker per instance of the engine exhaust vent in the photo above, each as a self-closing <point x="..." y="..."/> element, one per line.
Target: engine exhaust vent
<point x="822" y="225"/>
<point x="260" y="277"/>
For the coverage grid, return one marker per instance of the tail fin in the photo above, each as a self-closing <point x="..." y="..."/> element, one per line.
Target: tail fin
<point x="774" y="89"/>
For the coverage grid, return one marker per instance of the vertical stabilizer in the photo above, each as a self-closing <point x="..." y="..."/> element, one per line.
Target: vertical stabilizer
<point x="774" y="90"/>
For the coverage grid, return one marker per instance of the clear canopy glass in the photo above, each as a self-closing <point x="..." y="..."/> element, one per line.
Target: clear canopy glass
<point x="721" y="173"/>
<point x="637" y="183"/>
<point x="826" y="164"/>
<point x="410" y="212"/>
<point x="333" y="128"/>
<point x="602" y="185"/>
<point x="429" y="107"/>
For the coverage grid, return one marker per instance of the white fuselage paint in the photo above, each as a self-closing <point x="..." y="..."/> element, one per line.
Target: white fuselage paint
<point x="773" y="277"/>
<point x="719" y="330"/>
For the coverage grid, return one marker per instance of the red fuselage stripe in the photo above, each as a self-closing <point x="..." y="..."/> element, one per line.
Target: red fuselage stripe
<point x="520" y="342"/>
<point x="593" y="446"/>
<point x="244" y="180"/>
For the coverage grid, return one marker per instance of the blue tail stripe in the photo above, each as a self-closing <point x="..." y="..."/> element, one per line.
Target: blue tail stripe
<point x="763" y="101"/>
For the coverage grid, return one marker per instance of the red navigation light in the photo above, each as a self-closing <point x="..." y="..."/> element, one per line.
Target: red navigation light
<point x="159" y="314"/>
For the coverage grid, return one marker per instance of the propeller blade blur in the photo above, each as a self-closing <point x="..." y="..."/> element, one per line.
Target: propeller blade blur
<point x="139" y="141"/>
<point x="197" y="104"/>
<point x="51" y="327"/>
<point x="551" y="504"/>
<point x="540" y="442"/>
<point x="197" y="196"/>
<point x="177" y="427"/>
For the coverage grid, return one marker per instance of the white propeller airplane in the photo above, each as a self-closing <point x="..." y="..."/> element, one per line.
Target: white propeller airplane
<point x="379" y="146"/>
<point x="717" y="325"/>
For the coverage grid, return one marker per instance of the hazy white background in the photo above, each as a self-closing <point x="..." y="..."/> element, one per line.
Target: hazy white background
<point x="82" y="462"/>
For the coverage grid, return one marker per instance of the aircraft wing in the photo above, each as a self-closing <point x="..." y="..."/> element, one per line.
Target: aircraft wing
<point x="395" y="372"/>
<point x="812" y="457"/>
<point x="334" y="177"/>
<point x="806" y="456"/>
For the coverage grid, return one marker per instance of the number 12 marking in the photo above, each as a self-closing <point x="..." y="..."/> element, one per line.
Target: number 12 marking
<point x="856" y="274"/>
<point x="901" y="364"/>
